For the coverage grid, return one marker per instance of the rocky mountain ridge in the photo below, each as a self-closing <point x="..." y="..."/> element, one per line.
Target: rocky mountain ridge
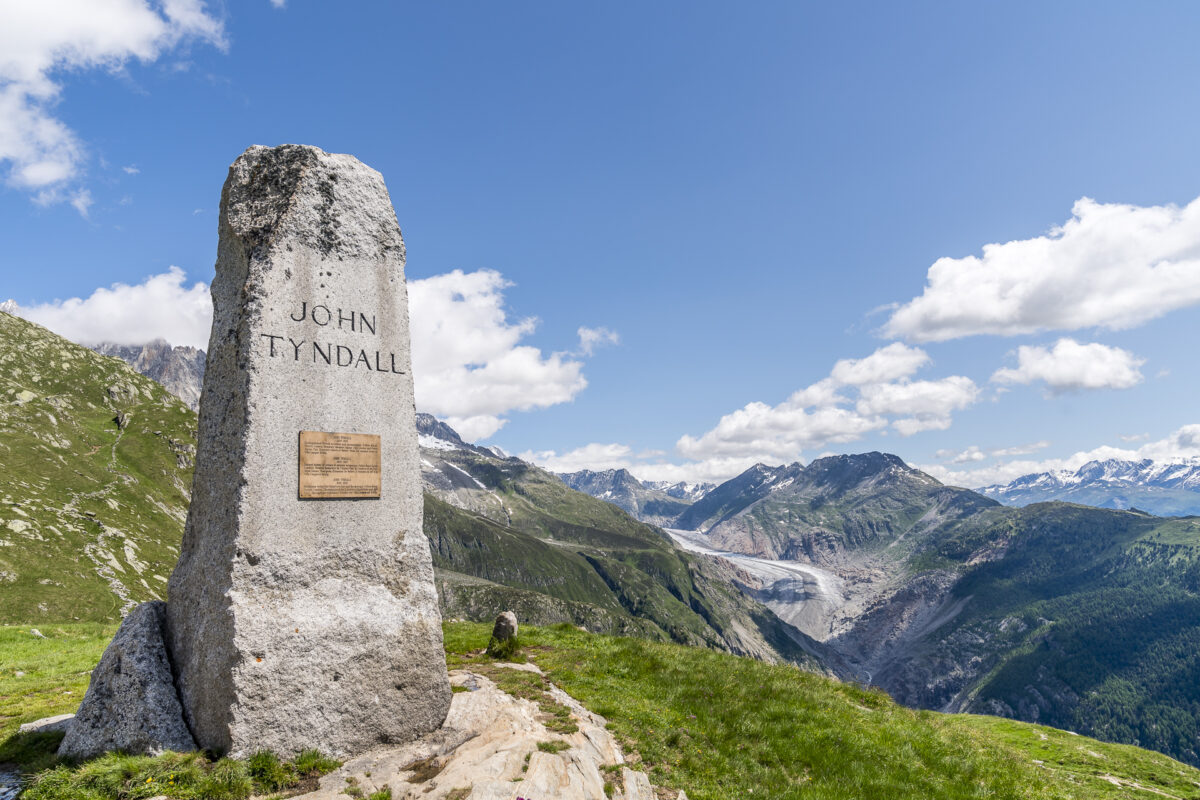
<point x="681" y="490"/>
<point x="1164" y="488"/>
<point x="651" y="504"/>
<point x="180" y="370"/>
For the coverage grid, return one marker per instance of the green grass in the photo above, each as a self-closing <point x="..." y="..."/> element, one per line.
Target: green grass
<point x="180" y="776"/>
<point x="720" y="726"/>
<point x="56" y="672"/>
<point x="1089" y="764"/>
<point x="91" y="510"/>
<point x="713" y="724"/>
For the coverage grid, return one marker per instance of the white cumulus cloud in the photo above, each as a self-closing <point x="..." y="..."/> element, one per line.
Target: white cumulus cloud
<point x="468" y="360"/>
<point x="1069" y="365"/>
<point x="972" y="453"/>
<point x="1110" y="266"/>
<point x="161" y="307"/>
<point x="859" y="396"/>
<point x="43" y="39"/>
<point x="595" y="456"/>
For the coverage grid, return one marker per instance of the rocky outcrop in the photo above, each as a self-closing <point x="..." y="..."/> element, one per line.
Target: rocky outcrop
<point x="498" y="747"/>
<point x="131" y="704"/>
<point x="179" y="369"/>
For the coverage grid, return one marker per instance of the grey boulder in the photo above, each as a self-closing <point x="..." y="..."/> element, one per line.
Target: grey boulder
<point x="131" y="704"/>
<point x="505" y="627"/>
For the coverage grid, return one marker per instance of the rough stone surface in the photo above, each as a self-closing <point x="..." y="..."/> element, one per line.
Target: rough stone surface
<point x="483" y="749"/>
<point x="131" y="704"/>
<point x="60" y="723"/>
<point x="305" y="623"/>
<point x="505" y="627"/>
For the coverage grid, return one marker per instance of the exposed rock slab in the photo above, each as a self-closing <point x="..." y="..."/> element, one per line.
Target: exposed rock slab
<point x="130" y="703"/>
<point x="306" y="623"/>
<point x="59" y="723"/>
<point x="489" y="748"/>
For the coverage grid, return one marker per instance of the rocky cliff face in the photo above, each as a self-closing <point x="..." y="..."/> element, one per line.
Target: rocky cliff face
<point x="180" y="370"/>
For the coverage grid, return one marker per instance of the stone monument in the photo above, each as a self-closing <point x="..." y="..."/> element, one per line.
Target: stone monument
<point x="302" y="612"/>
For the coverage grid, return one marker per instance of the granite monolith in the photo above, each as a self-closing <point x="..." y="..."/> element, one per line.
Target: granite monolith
<point x="302" y="612"/>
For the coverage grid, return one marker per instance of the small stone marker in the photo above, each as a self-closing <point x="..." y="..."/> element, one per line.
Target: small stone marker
<point x="505" y="627"/>
<point x="302" y="613"/>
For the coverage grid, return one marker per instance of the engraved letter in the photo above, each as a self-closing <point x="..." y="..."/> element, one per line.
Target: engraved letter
<point x="362" y="357"/>
<point x="328" y="315"/>
<point x="296" y="346"/>
<point x="397" y="371"/>
<point x="343" y="318"/>
<point x="325" y="354"/>
<point x="349" y="355"/>
<point x="303" y="313"/>
<point x="377" y="367"/>
<point x="363" y="324"/>
<point x="272" y="338"/>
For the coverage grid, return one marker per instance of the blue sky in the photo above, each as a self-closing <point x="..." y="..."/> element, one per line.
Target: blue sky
<point x="742" y="195"/>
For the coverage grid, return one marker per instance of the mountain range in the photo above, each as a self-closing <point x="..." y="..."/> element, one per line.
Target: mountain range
<point x="1166" y="489"/>
<point x="1082" y="618"/>
<point x="656" y="503"/>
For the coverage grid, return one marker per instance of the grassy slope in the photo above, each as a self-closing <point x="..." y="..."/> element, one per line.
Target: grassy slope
<point x="1109" y="610"/>
<point x="721" y="726"/>
<point x="90" y="513"/>
<point x="716" y="725"/>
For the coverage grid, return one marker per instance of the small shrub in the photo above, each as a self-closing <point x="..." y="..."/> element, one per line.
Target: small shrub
<point x="555" y="746"/>
<point x="227" y="780"/>
<point x="383" y="794"/>
<point x="312" y="764"/>
<point x="268" y="772"/>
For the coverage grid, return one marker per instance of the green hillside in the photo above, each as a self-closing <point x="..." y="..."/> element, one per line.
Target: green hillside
<point x="715" y="725"/>
<point x="96" y="469"/>
<point x="1104" y="607"/>
<point x="613" y="582"/>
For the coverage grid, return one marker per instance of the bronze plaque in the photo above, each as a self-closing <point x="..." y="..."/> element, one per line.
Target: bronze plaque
<point x="339" y="466"/>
